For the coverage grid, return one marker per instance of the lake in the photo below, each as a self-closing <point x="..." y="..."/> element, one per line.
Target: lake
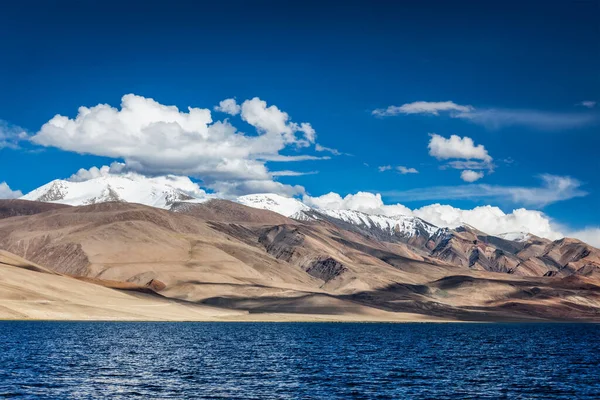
<point x="299" y="360"/>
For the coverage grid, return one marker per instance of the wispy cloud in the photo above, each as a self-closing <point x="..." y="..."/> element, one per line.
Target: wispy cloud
<point x="405" y="170"/>
<point x="331" y="150"/>
<point x="421" y="107"/>
<point x="497" y="118"/>
<point x="11" y="135"/>
<point x="542" y="120"/>
<point x="292" y="173"/>
<point x="553" y="189"/>
<point x="587" y="103"/>
<point x="401" y="169"/>
<point x="283" y="158"/>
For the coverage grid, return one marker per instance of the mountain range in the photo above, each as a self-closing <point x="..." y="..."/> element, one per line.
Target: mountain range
<point x="265" y="256"/>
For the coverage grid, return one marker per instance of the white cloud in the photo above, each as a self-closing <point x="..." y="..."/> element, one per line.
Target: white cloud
<point x="230" y="190"/>
<point x="320" y="148"/>
<point x="553" y="189"/>
<point x="405" y="170"/>
<point x="588" y="235"/>
<point x="456" y="147"/>
<point x="496" y="118"/>
<point x="284" y="158"/>
<point x="293" y="173"/>
<point x="401" y="169"/>
<point x="275" y="125"/>
<point x="7" y="193"/>
<point x="588" y="104"/>
<point x="489" y="219"/>
<point x="469" y="164"/>
<point x="116" y="169"/>
<point x="468" y="175"/>
<point x="94" y="172"/>
<point x="542" y="120"/>
<point x="421" y="107"/>
<point x="155" y="139"/>
<point x="228" y="106"/>
<point x="11" y="135"/>
<point x="369" y="203"/>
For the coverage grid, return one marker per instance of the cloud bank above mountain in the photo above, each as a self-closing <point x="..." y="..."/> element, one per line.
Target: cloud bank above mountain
<point x="488" y="219"/>
<point x="156" y="139"/>
<point x="7" y="193"/>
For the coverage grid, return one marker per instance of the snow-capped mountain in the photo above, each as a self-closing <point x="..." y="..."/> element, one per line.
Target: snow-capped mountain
<point x="286" y="206"/>
<point x="515" y="236"/>
<point x="401" y="227"/>
<point x="164" y="191"/>
<point x="131" y="188"/>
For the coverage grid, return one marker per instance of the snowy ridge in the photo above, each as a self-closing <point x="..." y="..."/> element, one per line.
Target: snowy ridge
<point x="398" y="224"/>
<point x="285" y="206"/>
<point x="164" y="191"/>
<point x="155" y="192"/>
<point x="515" y="236"/>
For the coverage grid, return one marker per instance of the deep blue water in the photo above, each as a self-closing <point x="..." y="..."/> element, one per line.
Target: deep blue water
<point x="299" y="360"/>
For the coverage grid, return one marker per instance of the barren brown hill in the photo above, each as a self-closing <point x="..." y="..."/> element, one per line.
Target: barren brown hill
<point x="231" y="212"/>
<point x="15" y="207"/>
<point x="230" y="256"/>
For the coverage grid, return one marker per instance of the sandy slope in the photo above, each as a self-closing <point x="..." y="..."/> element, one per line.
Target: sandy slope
<point x="28" y="291"/>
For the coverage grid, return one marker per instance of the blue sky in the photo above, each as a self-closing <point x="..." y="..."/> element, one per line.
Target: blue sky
<point x="523" y="68"/>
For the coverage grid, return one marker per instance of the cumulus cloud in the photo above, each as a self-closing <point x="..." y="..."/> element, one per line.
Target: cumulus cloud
<point x="231" y="190"/>
<point x="369" y="203"/>
<point x="275" y="124"/>
<point x="228" y="106"/>
<point x="488" y="219"/>
<point x="156" y="139"/>
<point x="11" y="135"/>
<point x="405" y="170"/>
<point x="456" y="147"/>
<point x="588" y="235"/>
<point x="7" y="193"/>
<point x="553" y="189"/>
<point x="421" y="107"/>
<point x="94" y="172"/>
<point x="384" y="168"/>
<point x="116" y="169"/>
<point x="468" y="175"/>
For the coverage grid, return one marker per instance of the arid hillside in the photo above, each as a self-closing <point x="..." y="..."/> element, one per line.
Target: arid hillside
<point x="234" y="258"/>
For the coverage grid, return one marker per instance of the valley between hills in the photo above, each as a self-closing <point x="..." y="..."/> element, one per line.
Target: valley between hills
<point x="220" y="260"/>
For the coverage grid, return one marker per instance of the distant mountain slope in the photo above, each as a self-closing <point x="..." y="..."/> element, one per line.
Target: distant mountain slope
<point x="229" y="211"/>
<point x="15" y="207"/>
